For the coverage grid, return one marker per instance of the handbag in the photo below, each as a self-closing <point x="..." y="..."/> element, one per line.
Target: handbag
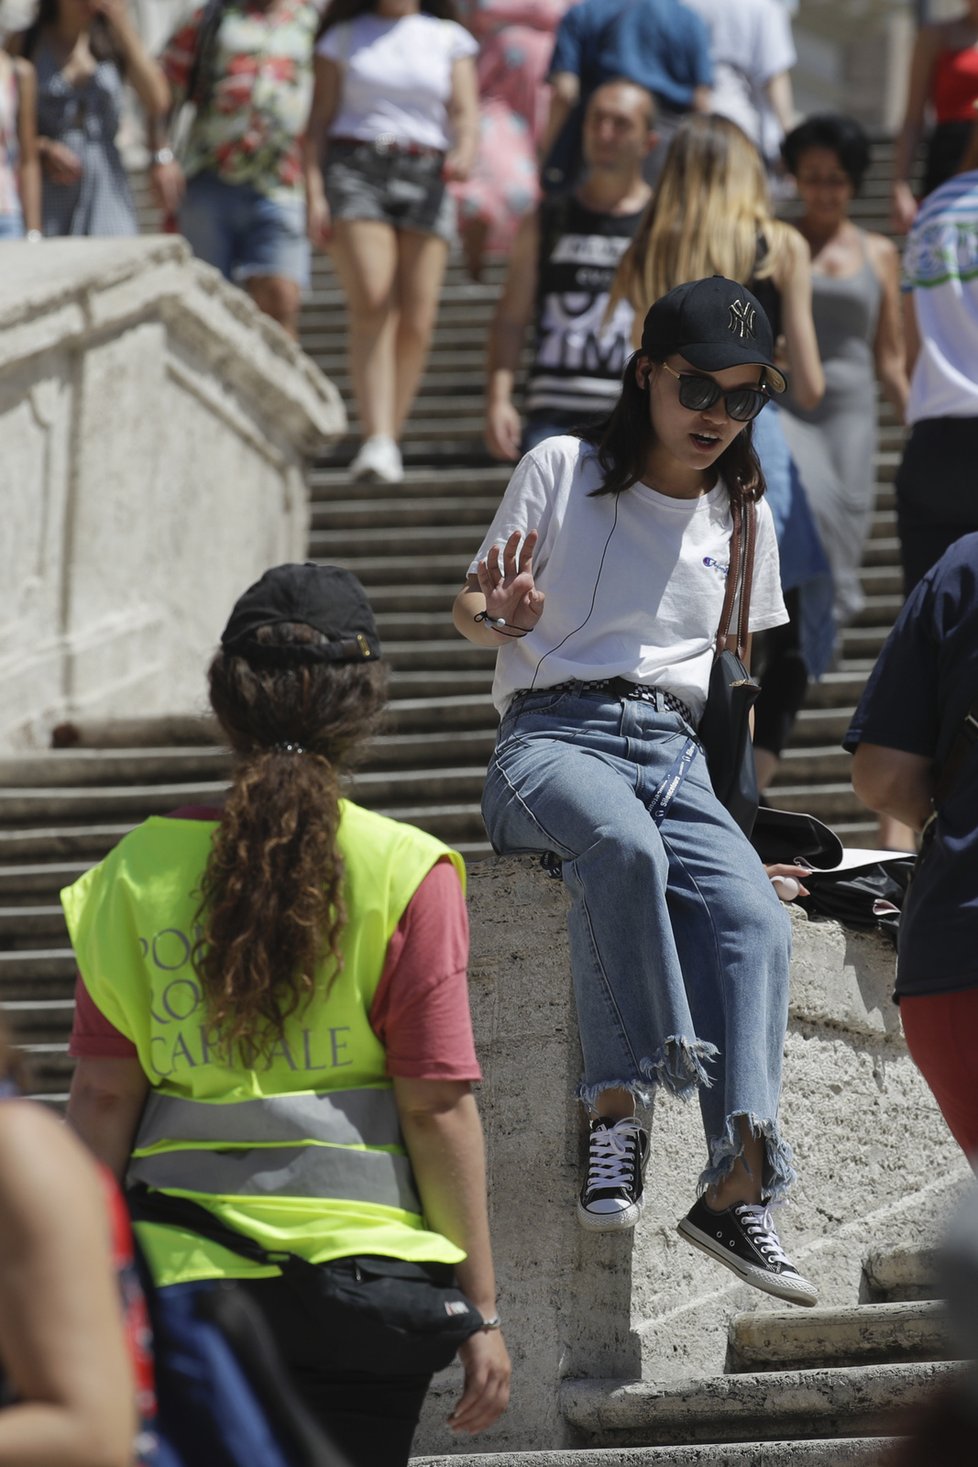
<point x="866" y="897"/>
<point x="783" y="837"/>
<point x="724" y="730"/>
<point x="415" y="1310"/>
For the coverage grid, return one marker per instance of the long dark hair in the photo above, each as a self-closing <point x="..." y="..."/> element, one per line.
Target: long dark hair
<point x="101" y="38"/>
<point x="272" y="907"/>
<point x="622" y="441"/>
<point x="340" y="10"/>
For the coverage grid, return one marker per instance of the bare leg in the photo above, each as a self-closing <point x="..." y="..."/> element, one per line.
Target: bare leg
<point x="421" y="260"/>
<point x="614" y="1105"/>
<point x="766" y="765"/>
<point x="364" y="252"/>
<point x="744" y="1183"/>
<point x="474" y="232"/>
<point x="895" y="836"/>
<point x="279" y="298"/>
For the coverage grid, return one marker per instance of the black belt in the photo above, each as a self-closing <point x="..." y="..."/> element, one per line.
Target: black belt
<point x="620" y="687"/>
<point x="387" y="145"/>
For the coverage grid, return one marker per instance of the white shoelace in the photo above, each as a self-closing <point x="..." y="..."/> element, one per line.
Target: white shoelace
<point x="759" y="1226"/>
<point x="613" y="1154"/>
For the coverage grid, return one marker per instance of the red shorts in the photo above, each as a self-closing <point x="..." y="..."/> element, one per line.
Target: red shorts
<point x="942" y="1036"/>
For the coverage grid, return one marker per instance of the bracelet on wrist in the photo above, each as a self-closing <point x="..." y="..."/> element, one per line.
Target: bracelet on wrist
<point x="490" y="1324"/>
<point x="499" y="624"/>
<point x="160" y="156"/>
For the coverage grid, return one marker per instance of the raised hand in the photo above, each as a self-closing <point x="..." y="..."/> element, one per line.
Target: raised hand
<point x="506" y="581"/>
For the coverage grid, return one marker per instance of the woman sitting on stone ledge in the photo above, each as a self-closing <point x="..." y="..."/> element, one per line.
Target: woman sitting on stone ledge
<point x="604" y="604"/>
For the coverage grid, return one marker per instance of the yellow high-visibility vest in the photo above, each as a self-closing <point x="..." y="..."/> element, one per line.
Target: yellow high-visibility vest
<point x="301" y="1149"/>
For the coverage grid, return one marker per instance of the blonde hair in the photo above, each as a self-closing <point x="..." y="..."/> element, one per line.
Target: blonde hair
<point x="708" y="216"/>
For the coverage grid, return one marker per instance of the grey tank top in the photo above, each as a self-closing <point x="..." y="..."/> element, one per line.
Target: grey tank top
<point x="846" y="310"/>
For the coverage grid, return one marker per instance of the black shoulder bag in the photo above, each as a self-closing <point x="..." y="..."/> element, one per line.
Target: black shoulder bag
<point x="724" y="729"/>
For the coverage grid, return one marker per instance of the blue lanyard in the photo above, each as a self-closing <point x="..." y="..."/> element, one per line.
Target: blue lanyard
<point x="669" y="787"/>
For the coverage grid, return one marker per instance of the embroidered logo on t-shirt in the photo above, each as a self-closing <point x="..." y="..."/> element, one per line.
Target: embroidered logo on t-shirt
<point x="742" y="319"/>
<point x="717" y="565"/>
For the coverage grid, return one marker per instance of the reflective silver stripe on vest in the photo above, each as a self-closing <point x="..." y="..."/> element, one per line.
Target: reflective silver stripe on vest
<point x="283" y="1171"/>
<point x="344" y="1117"/>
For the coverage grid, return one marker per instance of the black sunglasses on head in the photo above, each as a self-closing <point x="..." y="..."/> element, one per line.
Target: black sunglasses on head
<point x="700" y="393"/>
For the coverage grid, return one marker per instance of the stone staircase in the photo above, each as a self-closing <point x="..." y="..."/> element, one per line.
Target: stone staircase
<point x="824" y="1386"/>
<point x="814" y="1386"/>
<point x="61" y="809"/>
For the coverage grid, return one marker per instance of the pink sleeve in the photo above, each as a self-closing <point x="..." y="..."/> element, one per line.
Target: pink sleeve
<point x="92" y="1036"/>
<point x="421" y="1009"/>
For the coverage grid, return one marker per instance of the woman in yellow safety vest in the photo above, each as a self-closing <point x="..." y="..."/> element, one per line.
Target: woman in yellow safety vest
<point x="274" y="1044"/>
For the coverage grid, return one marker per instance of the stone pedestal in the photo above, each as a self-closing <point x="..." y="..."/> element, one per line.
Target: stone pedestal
<point x="877" y="1167"/>
<point x="155" y="429"/>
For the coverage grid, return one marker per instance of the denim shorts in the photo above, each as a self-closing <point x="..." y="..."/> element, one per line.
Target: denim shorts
<point x="244" y="233"/>
<point x="403" y="190"/>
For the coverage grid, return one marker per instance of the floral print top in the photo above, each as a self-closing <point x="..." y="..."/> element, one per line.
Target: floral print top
<point x="249" y="130"/>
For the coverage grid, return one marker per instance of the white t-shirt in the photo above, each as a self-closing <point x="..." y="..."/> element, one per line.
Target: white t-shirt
<point x="940" y="267"/>
<point x="751" y="43"/>
<point x="634" y="582"/>
<point x="397" y="76"/>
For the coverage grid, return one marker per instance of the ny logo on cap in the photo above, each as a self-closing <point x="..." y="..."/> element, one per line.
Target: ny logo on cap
<point x="742" y="318"/>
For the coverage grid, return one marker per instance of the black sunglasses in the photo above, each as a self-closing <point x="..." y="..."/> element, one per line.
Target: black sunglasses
<point x="699" y="393"/>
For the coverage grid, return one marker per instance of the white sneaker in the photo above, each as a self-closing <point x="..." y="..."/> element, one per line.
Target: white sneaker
<point x="379" y="461"/>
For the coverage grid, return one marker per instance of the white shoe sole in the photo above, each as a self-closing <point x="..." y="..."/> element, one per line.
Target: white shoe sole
<point x="370" y="475"/>
<point x="609" y="1222"/>
<point x="794" y="1290"/>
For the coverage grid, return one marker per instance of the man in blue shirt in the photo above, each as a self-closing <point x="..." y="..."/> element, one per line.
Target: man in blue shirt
<point x="916" y="759"/>
<point x="659" y="44"/>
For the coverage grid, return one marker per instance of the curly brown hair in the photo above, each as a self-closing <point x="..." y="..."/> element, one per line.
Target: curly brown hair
<point x="272" y="907"/>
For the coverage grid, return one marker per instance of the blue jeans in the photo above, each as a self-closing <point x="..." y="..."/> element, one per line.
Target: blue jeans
<point x="242" y="232"/>
<point x="679" y="946"/>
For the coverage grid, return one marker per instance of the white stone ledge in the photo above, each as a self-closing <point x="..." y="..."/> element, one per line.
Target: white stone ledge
<point x="877" y="1168"/>
<point x="156" y="430"/>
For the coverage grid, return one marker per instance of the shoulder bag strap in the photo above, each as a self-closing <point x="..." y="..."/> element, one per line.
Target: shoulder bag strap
<point x="749" y="516"/>
<point x="146" y="1205"/>
<point x="730" y="590"/>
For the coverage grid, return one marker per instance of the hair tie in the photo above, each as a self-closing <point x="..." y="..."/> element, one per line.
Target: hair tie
<point x="288" y="747"/>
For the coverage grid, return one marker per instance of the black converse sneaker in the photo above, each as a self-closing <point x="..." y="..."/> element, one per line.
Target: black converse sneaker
<point x="611" y="1197"/>
<point x="744" y="1238"/>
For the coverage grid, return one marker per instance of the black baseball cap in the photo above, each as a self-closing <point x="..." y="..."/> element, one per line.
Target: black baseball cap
<point x="325" y="597"/>
<point x="713" y="323"/>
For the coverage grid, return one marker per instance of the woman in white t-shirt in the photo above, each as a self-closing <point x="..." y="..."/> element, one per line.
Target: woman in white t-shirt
<point x="605" y="602"/>
<point x="394" y="118"/>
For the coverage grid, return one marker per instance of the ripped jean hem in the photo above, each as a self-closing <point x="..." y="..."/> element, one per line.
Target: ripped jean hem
<point x="727" y="1149"/>
<point x="678" y="1065"/>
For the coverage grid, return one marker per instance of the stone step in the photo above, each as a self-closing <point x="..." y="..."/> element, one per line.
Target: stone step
<point x="107" y="801"/>
<point x="776" y="1339"/>
<point x="840" y="1452"/>
<point x="833" y="803"/>
<point x="38" y="880"/>
<point x="341" y="516"/>
<point x="901" y="1274"/>
<point x="441" y="481"/>
<point x="367" y="785"/>
<point x="860" y="1400"/>
<point x="87" y="843"/>
<point x="40" y="1021"/>
<point x="30" y="924"/>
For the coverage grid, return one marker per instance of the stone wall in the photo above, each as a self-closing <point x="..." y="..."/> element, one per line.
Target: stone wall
<point x="876" y="1165"/>
<point x="156" y="430"/>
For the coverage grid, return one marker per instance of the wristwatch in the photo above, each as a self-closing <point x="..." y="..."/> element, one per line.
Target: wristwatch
<point x="161" y="156"/>
<point x="494" y="1323"/>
